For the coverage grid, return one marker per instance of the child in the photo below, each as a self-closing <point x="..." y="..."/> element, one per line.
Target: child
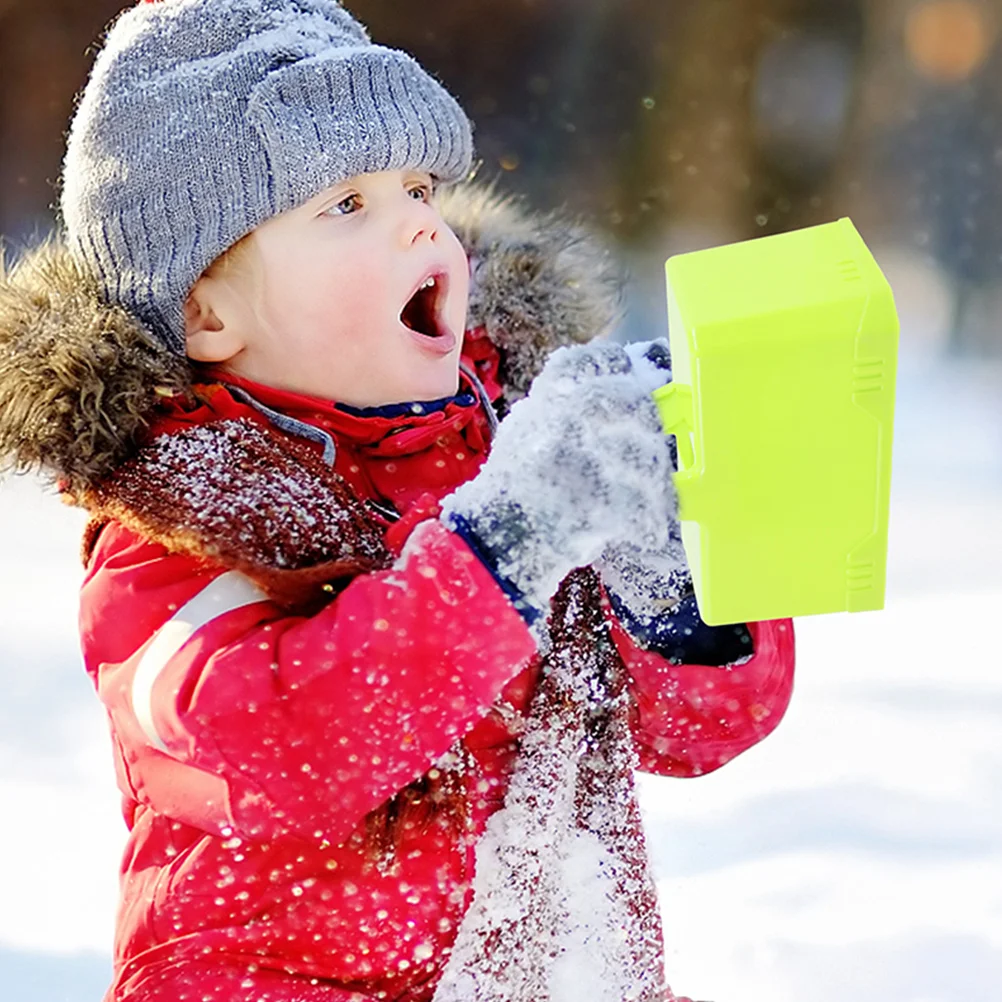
<point x="377" y="668"/>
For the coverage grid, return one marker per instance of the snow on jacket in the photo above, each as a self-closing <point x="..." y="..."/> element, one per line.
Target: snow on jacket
<point x="254" y="728"/>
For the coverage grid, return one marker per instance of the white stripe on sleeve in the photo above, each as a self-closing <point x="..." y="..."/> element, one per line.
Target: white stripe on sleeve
<point x="227" y="592"/>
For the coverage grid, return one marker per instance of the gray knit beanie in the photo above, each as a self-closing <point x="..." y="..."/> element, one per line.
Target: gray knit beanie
<point x="204" y="118"/>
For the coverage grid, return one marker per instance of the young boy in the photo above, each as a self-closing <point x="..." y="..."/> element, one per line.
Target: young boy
<point x="374" y="717"/>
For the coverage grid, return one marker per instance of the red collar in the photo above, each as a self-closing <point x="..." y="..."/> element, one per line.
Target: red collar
<point x="373" y="433"/>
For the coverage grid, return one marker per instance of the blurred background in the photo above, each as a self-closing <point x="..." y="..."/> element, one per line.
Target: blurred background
<point x="668" y="124"/>
<point x="857" y="853"/>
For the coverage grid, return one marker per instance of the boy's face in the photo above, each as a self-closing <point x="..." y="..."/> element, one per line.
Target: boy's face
<point x="323" y="302"/>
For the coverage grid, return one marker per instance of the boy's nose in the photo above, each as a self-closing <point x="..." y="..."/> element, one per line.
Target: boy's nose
<point x="419" y="223"/>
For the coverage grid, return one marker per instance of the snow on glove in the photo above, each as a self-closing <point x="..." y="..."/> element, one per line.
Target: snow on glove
<point x="647" y="581"/>
<point x="579" y="464"/>
<point x="651" y="361"/>
<point x="651" y="590"/>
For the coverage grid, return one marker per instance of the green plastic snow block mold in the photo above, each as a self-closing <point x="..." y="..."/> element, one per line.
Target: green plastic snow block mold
<point x="784" y="358"/>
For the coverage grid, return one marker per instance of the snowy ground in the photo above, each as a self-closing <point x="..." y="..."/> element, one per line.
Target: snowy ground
<point x="856" y="854"/>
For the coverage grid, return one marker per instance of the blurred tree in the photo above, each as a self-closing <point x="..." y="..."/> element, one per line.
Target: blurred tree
<point x="747" y="110"/>
<point x="554" y="86"/>
<point x="803" y="98"/>
<point x="931" y="150"/>
<point x="689" y="156"/>
<point x="43" y="63"/>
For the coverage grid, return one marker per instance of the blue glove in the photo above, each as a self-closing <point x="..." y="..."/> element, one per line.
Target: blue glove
<point x="682" y="637"/>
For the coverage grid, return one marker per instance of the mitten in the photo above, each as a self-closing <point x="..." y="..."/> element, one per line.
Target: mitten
<point x="651" y="589"/>
<point x="578" y="465"/>
<point x="647" y="581"/>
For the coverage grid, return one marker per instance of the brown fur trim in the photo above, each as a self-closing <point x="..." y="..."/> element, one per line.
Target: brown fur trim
<point x="438" y="791"/>
<point x="539" y="280"/>
<point x="91" y="533"/>
<point x="78" y="379"/>
<point x="238" y="494"/>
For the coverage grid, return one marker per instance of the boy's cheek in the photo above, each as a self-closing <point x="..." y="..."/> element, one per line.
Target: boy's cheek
<point x="342" y="300"/>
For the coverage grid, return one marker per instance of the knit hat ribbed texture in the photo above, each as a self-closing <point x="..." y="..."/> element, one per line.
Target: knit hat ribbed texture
<point x="204" y="118"/>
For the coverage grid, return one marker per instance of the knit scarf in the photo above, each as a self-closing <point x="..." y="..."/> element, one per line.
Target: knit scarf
<point x="564" y="905"/>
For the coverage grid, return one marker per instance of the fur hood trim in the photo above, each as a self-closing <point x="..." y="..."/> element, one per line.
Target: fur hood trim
<point x="538" y="281"/>
<point x="80" y="379"/>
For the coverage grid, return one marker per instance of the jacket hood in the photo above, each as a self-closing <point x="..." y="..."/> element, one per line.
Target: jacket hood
<point x="80" y="378"/>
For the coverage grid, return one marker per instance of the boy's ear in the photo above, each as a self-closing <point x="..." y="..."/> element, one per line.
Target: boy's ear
<point x="208" y="338"/>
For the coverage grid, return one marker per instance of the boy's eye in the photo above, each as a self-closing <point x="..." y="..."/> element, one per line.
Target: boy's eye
<point x="344" y="207"/>
<point x="424" y="192"/>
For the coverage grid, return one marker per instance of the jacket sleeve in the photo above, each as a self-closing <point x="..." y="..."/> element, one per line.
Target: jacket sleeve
<point x="231" y="716"/>
<point x="688" y="718"/>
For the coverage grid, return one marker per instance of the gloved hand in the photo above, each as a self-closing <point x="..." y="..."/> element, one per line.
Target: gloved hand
<point x="651" y="589"/>
<point x="651" y="361"/>
<point x="647" y="581"/>
<point x="578" y="466"/>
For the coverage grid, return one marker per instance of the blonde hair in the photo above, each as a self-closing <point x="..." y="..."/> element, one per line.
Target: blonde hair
<point x="238" y="259"/>
<point x="239" y="264"/>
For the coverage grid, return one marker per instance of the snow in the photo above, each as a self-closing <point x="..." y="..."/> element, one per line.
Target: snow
<point x="224" y="476"/>
<point x="523" y="506"/>
<point x="855" y="854"/>
<point x="871" y="820"/>
<point x="555" y="865"/>
<point x="60" y="861"/>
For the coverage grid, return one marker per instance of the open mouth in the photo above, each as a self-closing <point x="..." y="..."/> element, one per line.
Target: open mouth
<point x="423" y="311"/>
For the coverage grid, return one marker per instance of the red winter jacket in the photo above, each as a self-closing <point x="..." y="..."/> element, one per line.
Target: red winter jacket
<point x="240" y="881"/>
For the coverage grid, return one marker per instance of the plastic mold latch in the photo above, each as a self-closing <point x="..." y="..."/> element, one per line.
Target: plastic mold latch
<point x="674" y="402"/>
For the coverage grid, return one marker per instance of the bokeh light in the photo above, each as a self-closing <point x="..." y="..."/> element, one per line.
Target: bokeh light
<point x="949" y="40"/>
